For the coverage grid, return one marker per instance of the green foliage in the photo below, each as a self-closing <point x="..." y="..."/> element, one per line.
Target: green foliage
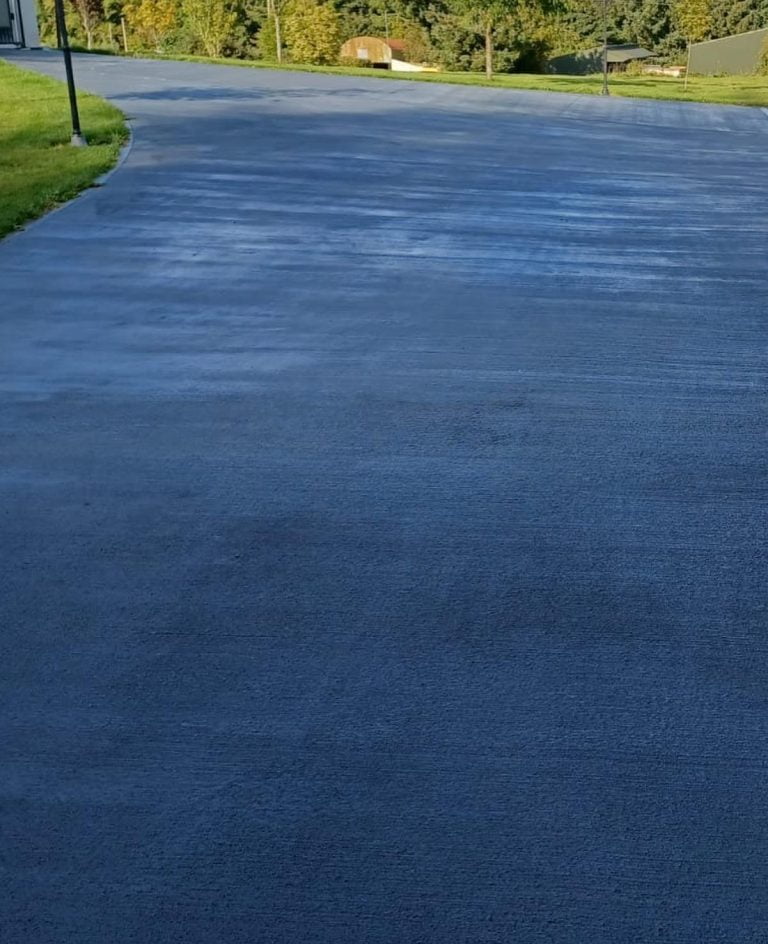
<point x="466" y="35"/>
<point x="490" y="19"/>
<point x="91" y="14"/>
<point x="693" y="19"/>
<point x="647" y="23"/>
<point x="738" y="16"/>
<point x="538" y="32"/>
<point x="312" y="32"/>
<point x="211" y="22"/>
<point x="763" y="67"/>
<point x="46" y="20"/>
<point x="635" y="68"/>
<point x="415" y="36"/>
<point x="267" y="40"/>
<point x="153" y="20"/>
<point x="112" y="10"/>
<point x="250" y="17"/>
<point x="651" y="25"/>
<point x="457" y="47"/>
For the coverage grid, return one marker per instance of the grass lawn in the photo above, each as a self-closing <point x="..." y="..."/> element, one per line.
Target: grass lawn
<point x="38" y="167"/>
<point x="720" y="90"/>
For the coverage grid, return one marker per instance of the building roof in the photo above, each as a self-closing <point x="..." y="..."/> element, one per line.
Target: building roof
<point x="374" y="48"/>
<point x="625" y="52"/>
<point x="728" y="39"/>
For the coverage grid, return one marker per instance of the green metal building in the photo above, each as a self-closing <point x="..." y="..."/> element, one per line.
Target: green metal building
<point x="733" y="55"/>
<point x="591" y="60"/>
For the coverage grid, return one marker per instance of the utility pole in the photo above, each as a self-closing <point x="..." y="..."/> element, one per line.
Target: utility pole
<point x="77" y="139"/>
<point x="606" y="90"/>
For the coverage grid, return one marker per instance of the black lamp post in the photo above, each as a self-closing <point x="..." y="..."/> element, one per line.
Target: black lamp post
<point x="606" y="90"/>
<point x="61" y="28"/>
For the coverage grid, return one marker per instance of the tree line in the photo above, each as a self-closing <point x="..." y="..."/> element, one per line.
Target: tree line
<point x="456" y="35"/>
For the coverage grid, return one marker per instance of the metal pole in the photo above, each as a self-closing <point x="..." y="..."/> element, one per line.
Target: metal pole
<point x="606" y="90"/>
<point x="77" y="139"/>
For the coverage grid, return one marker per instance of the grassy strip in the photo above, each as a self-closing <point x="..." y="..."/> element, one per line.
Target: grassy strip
<point x="38" y="168"/>
<point x="746" y="90"/>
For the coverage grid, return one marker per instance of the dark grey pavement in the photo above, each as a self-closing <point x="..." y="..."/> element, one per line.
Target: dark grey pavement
<point x="384" y="521"/>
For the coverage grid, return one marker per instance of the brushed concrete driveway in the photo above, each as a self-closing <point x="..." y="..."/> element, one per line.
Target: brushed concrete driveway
<point x="384" y="522"/>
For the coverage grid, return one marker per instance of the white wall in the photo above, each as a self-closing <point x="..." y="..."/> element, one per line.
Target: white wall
<point x="398" y="65"/>
<point x="27" y="11"/>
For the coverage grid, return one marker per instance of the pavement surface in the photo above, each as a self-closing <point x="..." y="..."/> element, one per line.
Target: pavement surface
<point x="384" y="528"/>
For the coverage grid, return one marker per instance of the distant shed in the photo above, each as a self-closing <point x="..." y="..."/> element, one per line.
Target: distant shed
<point x="589" y="61"/>
<point x="379" y="52"/>
<point x="382" y="54"/>
<point x="732" y="55"/>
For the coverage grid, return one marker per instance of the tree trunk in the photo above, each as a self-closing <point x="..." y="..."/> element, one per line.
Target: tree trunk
<point x="488" y="52"/>
<point x="278" y="39"/>
<point x="89" y="35"/>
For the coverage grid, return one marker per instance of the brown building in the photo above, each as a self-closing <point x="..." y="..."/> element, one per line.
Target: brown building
<point x="380" y="53"/>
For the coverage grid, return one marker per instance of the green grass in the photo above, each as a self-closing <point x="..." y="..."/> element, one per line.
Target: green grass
<point x="714" y="90"/>
<point x="38" y="167"/>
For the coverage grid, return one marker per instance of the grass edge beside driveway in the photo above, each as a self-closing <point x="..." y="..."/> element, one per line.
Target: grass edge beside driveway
<point x="743" y="90"/>
<point x="39" y="170"/>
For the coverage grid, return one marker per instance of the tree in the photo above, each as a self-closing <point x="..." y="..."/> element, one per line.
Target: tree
<point x="647" y="23"/>
<point x="113" y="11"/>
<point x="270" y="39"/>
<point x="738" y="16"/>
<point x="762" y="68"/>
<point x="487" y="16"/>
<point x="275" y="18"/>
<point x="455" y="44"/>
<point x="642" y="22"/>
<point x="211" y="23"/>
<point x="583" y="20"/>
<point x="250" y="18"/>
<point x="152" y="19"/>
<point x="538" y="34"/>
<point x="693" y="19"/>
<point x="46" y="21"/>
<point x="312" y="32"/>
<point x="90" y="13"/>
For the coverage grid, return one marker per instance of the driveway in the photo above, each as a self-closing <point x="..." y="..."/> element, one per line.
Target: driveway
<point x="384" y="522"/>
